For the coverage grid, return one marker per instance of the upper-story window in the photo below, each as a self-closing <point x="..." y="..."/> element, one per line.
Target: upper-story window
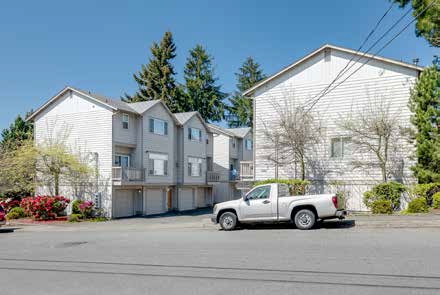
<point x="122" y="161"/>
<point x="194" y="134"/>
<point x="234" y="142"/>
<point x="340" y="147"/>
<point x="248" y="144"/>
<point x="125" y="121"/>
<point x="195" y="166"/>
<point x="158" y="164"/>
<point x="158" y="126"/>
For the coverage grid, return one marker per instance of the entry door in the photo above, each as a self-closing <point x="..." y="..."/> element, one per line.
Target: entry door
<point x="258" y="205"/>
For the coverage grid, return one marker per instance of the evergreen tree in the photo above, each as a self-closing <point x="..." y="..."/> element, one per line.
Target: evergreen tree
<point x="201" y="92"/>
<point x="156" y="79"/>
<point x="425" y="105"/>
<point x="428" y="22"/>
<point x="18" y="131"/>
<point x="240" y="110"/>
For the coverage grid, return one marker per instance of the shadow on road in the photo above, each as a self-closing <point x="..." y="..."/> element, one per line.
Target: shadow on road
<point x="331" y="224"/>
<point x="8" y="229"/>
<point x="194" y="212"/>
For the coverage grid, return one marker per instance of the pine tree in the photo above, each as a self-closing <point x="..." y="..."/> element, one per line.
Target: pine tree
<point x="240" y="111"/>
<point x="19" y="131"/>
<point x="425" y="105"/>
<point x="156" y="79"/>
<point x="201" y="91"/>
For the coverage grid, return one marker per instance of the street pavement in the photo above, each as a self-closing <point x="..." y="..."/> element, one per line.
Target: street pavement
<point x="187" y="255"/>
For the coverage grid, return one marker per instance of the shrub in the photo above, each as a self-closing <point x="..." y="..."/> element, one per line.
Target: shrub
<point x="15" y="213"/>
<point x="436" y="201"/>
<point x="418" y="205"/>
<point x="86" y="208"/>
<point x="44" y="207"/>
<point x="391" y="191"/>
<point x="9" y="204"/>
<point x="74" y="218"/>
<point x="381" y="207"/>
<point x="75" y="209"/>
<point x="426" y="190"/>
<point x="296" y="186"/>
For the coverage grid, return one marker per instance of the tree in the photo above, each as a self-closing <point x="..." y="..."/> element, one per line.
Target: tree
<point x="46" y="164"/>
<point x="428" y="22"/>
<point x="291" y="135"/>
<point x="202" y="93"/>
<point x="156" y="79"/>
<point x="240" y="111"/>
<point x="18" y="131"/>
<point x="425" y="105"/>
<point x="375" y="130"/>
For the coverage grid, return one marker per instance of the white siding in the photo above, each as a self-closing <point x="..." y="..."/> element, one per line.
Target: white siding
<point x="221" y="156"/>
<point x="375" y="80"/>
<point x="83" y="126"/>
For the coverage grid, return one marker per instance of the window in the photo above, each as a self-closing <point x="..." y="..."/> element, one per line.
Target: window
<point x="158" y="126"/>
<point x="248" y="144"/>
<point x="340" y="147"/>
<point x="234" y="142"/>
<point x="125" y="120"/>
<point x="158" y="164"/>
<point x="122" y="161"/>
<point x="195" y="166"/>
<point x="261" y="192"/>
<point x="194" y="134"/>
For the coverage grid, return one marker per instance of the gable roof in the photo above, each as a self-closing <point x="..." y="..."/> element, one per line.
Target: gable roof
<point x="329" y="46"/>
<point x="182" y="118"/>
<point x="218" y="129"/>
<point x="240" y="132"/>
<point x="116" y="105"/>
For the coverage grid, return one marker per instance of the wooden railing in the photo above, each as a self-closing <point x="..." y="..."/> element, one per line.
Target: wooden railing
<point x="212" y="176"/>
<point x="128" y="174"/>
<point x="246" y="170"/>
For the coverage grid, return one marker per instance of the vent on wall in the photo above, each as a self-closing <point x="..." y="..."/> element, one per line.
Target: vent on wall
<point x="327" y="55"/>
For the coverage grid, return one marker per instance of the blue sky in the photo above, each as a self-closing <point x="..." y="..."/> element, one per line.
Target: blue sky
<point x="97" y="45"/>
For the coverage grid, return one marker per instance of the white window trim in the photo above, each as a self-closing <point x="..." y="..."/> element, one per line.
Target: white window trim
<point x="166" y="163"/>
<point x="165" y="129"/>
<point x="341" y="139"/>
<point x="125" y="121"/>
<point x="199" y="162"/>
<point x="250" y="144"/>
<point x="200" y="132"/>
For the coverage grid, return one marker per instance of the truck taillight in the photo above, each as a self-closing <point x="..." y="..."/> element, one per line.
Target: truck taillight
<point x="335" y="201"/>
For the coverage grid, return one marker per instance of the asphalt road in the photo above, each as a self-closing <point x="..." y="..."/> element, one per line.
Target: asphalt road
<point x="260" y="260"/>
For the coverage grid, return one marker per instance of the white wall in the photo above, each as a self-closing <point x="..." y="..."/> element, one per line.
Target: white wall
<point x="83" y="126"/>
<point x="374" y="81"/>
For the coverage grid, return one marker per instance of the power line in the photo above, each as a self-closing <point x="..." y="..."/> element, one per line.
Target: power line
<point x="341" y="72"/>
<point x="375" y="54"/>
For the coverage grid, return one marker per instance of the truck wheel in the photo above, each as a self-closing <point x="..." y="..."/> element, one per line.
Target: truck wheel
<point x="305" y="219"/>
<point x="228" y="221"/>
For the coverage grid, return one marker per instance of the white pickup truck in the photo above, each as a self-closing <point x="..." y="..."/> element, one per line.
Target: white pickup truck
<point x="272" y="203"/>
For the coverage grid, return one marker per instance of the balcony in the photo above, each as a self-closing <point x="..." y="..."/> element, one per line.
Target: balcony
<point x="212" y="176"/>
<point x="128" y="174"/>
<point x="246" y="170"/>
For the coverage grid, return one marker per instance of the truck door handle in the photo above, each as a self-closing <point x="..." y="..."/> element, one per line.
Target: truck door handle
<point x="266" y="202"/>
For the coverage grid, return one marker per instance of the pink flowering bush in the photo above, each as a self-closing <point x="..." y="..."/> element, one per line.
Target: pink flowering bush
<point x="86" y="208"/>
<point x="44" y="207"/>
<point x="9" y="204"/>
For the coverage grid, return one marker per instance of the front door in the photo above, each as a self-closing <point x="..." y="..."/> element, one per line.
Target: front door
<point x="257" y="205"/>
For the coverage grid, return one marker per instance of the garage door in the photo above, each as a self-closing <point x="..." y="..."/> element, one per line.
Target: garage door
<point x="123" y="203"/>
<point x="154" y="201"/>
<point x="186" y="199"/>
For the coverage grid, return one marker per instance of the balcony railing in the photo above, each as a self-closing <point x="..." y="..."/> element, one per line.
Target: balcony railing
<point x="128" y="174"/>
<point x="212" y="176"/>
<point x="246" y="170"/>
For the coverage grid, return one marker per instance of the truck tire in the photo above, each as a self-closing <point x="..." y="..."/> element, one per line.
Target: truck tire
<point x="228" y="221"/>
<point x="305" y="219"/>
